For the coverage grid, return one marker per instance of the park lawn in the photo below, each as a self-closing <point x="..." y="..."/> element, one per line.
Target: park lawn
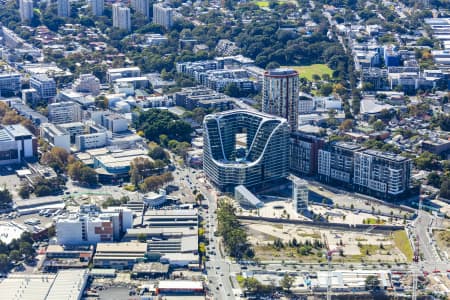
<point x="308" y="71"/>
<point x="402" y="242"/>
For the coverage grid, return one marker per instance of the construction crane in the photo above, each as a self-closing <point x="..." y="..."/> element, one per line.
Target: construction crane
<point x="415" y="266"/>
<point x="329" y="255"/>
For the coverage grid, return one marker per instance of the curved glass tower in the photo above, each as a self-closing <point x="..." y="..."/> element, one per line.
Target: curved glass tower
<point x="244" y="147"/>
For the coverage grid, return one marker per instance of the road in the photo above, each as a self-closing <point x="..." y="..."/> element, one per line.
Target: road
<point x="431" y="260"/>
<point x="219" y="268"/>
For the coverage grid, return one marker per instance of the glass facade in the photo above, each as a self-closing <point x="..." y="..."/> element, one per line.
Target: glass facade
<point x="266" y="153"/>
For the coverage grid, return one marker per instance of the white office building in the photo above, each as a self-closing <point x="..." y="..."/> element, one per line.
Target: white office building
<point x="56" y="136"/>
<point x="117" y="73"/>
<point x="87" y="83"/>
<point x="98" y="137"/>
<point x="63" y="8"/>
<point x="121" y="17"/>
<point x="16" y="143"/>
<point x="9" y="83"/>
<point x="44" y="85"/>
<point x="64" y="112"/>
<point x="92" y="226"/>
<point x="163" y="15"/>
<point x="97" y="7"/>
<point x="26" y="10"/>
<point x="142" y="6"/>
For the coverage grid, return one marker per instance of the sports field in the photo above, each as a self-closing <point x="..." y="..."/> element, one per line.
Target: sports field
<point x="308" y="71"/>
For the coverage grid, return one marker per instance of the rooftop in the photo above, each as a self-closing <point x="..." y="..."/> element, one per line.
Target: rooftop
<point x="121" y="247"/>
<point x="180" y="284"/>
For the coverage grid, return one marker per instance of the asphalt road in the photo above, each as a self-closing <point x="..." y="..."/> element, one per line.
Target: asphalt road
<point x="431" y="260"/>
<point x="218" y="266"/>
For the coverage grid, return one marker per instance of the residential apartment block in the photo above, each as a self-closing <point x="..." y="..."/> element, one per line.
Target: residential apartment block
<point x="64" y="112"/>
<point x="163" y="15"/>
<point x="121" y="17"/>
<point x="259" y="157"/>
<point x="280" y="95"/>
<point x="380" y="174"/>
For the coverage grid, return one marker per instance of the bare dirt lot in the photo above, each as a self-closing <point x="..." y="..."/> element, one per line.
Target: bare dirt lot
<point x="308" y="244"/>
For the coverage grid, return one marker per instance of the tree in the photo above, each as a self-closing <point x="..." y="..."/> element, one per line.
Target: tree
<point x="445" y="189"/>
<point x="25" y="191"/>
<point x="434" y="179"/>
<point x="15" y="255"/>
<point x="426" y="161"/>
<point x="57" y="158"/>
<point x="4" y="262"/>
<point x="156" y="122"/>
<point x="5" y="198"/>
<point x="141" y="237"/>
<point x="140" y="168"/>
<point x="287" y="282"/>
<point x="372" y="282"/>
<point x="82" y="173"/>
<point x="158" y="153"/>
<point x="346" y="125"/>
<point x="378" y="125"/>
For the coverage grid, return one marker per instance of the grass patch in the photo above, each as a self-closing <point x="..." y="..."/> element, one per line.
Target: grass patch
<point x="443" y="239"/>
<point x="130" y="188"/>
<point x="308" y="71"/>
<point x="240" y="279"/>
<point x="402" y="243"/>
<point x="262" y="4"/>
<point x="373" y="221"/>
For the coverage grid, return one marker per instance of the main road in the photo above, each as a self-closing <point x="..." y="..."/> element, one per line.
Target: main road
<point x="218" y="267"/>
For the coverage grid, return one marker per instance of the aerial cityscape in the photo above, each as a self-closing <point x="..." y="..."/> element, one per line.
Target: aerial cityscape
<point x="224" y="149"/>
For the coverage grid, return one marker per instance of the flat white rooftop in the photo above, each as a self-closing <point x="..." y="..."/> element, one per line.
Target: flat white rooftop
<point x="65" y="285"/>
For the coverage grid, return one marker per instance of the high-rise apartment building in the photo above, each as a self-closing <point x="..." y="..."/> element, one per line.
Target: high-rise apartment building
<point x="381" y="174"/>
<point x="163" y="15"/>
<point x="63" y="8"/>
<point x="303" y="153"/>
<point x="97" y="7"/>
<point x="26" y="10"/>
<point x="64" y="112"/>
<point x="142" y="6"/>
<point x="121" y="17"/>
<point x="281" y="95"/>
<point x="244" y="148"/>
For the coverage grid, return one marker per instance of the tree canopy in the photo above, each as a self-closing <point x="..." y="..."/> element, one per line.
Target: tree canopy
<point x="156" y="122"/>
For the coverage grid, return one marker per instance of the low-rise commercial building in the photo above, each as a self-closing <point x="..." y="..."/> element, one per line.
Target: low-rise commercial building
<point x="116" y="73"/>
<point x="56" y="136"/>
<point x="65" y="285"/>
<point x="246" y="198"/>
<point x="16" y="143"/>
<point x="119" y="255"/>
<point x="91" y="226"/>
